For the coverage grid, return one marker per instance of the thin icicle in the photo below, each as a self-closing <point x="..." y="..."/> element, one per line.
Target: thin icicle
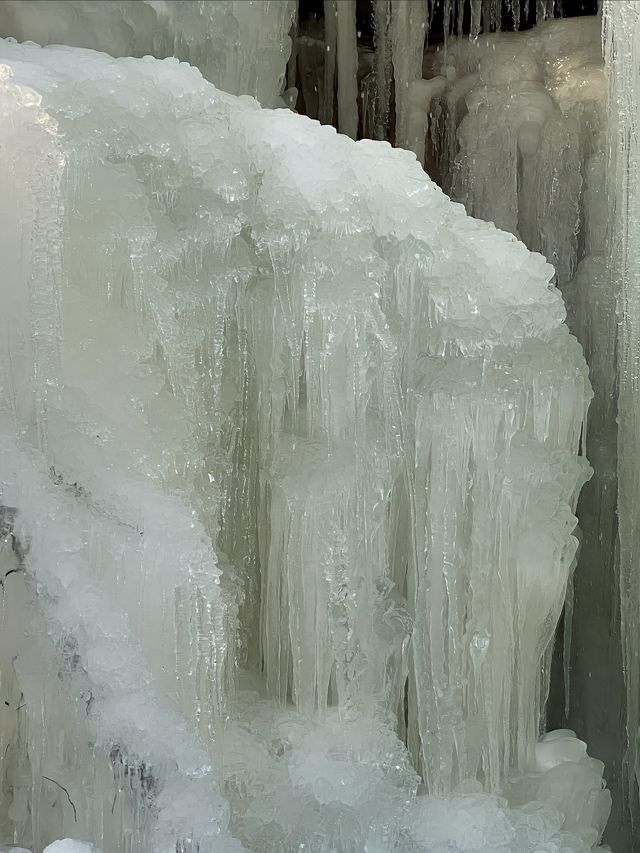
<point x="383" y="66"/>
<point x="330" y="51"/>
<point x="566" y="649"/>
<point x="476" y="19"/>
<point x="545" y="9"/>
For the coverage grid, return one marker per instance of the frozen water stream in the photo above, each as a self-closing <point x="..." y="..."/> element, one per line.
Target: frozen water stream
<point x="290" y="455"/>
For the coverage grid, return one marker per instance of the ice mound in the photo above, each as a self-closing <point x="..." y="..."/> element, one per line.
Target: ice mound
<point x="349" y="784"/>
<point x="68" y="845"/>
<point x="270" y="402"/>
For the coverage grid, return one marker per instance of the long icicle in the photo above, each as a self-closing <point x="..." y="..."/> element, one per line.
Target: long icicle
<point x="408" y="33"/>
<point x="330" y="48"/>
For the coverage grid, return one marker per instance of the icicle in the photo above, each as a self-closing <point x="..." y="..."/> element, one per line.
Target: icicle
<point x="461" y="6"/>
<point x="292" y="64"/>
<point x="347" y="60"/>
<point x="492" y="15"/>
<point x="330" y="54"/>
<point x="545" y="9"/>
<point x="408" y="33"/>
<point x="448" y="17"/>
<point x="421" y="95"/>
<point x="514" y="8"/>
<point x="566" y="646"/>
<point x="476" y="19"/>
<point x="383" y="66"/>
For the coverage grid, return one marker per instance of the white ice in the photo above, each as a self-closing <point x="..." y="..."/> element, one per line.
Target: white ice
<point x="273" y="404"/>
<point x="240" y="45"/>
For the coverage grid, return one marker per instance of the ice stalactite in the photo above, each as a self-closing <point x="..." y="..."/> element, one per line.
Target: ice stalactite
<point x="330" y="58"/>
<point x="408" y="34"/>
<point x="301" y="415"/>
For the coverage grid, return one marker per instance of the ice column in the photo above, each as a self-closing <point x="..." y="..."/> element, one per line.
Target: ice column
<point x="622" y="41"/>
<point x="408" y="34"/>
<point x="347" y="65"/>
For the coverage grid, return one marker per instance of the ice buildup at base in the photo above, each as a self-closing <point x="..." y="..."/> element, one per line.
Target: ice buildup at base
<point x="290" y="453"/>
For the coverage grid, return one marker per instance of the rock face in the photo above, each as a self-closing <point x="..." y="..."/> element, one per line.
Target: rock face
<point x="271" y="403"/>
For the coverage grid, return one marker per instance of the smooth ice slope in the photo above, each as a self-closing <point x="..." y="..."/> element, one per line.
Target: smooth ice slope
<point x="271" y="401"/>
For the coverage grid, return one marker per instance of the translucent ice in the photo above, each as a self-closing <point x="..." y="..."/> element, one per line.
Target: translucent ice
<point x="240" y="45"/>
<point x="271" y="402"/>
<point x="518" y="135"/>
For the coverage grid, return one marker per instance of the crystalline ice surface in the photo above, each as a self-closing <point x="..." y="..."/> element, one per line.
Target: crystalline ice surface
<point x="520" y="138"/>
<point x="240" y="45"/>
<point x="289" y="460"/>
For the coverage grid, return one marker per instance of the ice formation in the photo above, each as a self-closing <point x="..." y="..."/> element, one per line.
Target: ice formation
<point x="289" y="456"/>
<point x="622" y="37"/>
<point x="514" y="125"/>
<point x="240" y="45"/>
<point x="519" y="135"/>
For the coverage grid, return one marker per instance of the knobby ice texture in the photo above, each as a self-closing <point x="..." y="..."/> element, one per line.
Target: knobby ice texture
<point x="289" y="460"/>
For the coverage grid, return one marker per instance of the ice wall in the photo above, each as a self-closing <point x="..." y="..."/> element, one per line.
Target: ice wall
<point x="519" y="135"/>
<point x="271" y="401"/>
<point x="392" y="74"/>
<point x="240" y="45"/>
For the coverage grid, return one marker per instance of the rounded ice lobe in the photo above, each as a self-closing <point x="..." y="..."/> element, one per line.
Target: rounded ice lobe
<point x="558" y="746"/>
<point x="69" y="845"/>
<point x="509" y="64"/>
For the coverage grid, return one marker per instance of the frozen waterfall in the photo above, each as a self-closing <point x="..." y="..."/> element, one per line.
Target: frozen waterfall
<point x="291" y="446"/>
